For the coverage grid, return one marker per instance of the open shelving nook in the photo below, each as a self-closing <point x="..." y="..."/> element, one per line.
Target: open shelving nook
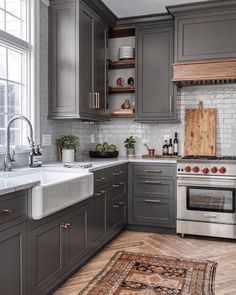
<point x="121" y="69"/>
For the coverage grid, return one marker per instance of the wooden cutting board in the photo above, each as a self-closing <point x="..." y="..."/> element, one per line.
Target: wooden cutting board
<point x="200" y="131"/>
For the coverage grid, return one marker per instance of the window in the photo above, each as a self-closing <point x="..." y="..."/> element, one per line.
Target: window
<point x="15" y="68"/>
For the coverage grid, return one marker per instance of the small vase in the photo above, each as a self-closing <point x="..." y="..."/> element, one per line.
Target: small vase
<point x="130" y="152"/>
<point x="68" y="156"/>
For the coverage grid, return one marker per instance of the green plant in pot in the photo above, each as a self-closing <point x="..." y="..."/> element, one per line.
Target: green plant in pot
<point x="67" y="146"/>
<point x="130" y="146"/>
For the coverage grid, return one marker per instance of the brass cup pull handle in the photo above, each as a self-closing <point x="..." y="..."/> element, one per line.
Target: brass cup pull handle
<point x="115" y="206"/>
<point x="152" y="171"/>
<point x="7" y="211"/>
<point x="121" y="183"/>
<point x="115" y="185"/>
<point x="100" y="193"/>
<point x="66" y="225"/>
<point x="152" y="182"/>
<point x="100" y="179"/>
<point x="117" y="173"/>
<point x="121" y="203"/>
<point x="152" y="201"/>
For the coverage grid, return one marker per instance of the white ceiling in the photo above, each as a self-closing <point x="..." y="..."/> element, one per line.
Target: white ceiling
<point x="128" y="8"/>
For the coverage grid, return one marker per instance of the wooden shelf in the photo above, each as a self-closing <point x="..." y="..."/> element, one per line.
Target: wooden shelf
<point x="122" y="115"/>
<point x="121" y="90"/>
<point x="121" y="64"/>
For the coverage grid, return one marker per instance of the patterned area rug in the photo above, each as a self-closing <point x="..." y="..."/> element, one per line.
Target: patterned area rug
<point x="141" y="274"/>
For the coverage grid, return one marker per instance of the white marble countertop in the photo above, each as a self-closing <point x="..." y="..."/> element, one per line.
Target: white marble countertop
<point x="25" y="178"/>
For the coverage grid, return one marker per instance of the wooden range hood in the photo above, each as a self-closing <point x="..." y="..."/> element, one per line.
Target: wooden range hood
<point x="204" y="72"/>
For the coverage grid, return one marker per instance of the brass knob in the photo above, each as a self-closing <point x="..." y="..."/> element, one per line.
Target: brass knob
<point x="7" y="211"/>
<point x="66" y="225"/>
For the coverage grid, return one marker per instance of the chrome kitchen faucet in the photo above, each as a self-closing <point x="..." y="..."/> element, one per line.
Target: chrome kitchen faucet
<point x="8" y="160"/>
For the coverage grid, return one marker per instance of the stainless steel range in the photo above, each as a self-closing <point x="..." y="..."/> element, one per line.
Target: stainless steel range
<point x="206" y="189"/>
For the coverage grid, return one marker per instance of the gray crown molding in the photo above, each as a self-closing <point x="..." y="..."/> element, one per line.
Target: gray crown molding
<point x="46" y="2"/>
<point x="143" y="19"/>
<point x="200" y="7"/>
<point x="103" y="11"/>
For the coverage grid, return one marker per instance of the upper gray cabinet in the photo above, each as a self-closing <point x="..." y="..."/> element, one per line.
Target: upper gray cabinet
<point x="78" y="61"/>
<point x="155" y="55"/>
<point x="205" y="30"/>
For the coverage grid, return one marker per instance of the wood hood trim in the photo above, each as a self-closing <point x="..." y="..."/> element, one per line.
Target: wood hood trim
<point x="209" y="72"/>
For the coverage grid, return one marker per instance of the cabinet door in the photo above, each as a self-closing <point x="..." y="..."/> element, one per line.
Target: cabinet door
<point x="87" y="97"/>
<point x="118" y="212"/>
<point x="46" y="255"/>
<point x="76" y="235"/>
<point x="99" y="208"/>
<point x="155" y="92"/>
<point x="63" y="74"/>
<point x="13" y="253"/>
<point x="100" y="62"/>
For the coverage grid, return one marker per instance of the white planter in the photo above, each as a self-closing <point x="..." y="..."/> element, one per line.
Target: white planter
<point x="130" y="152"/>
<point x="68" y="156"/>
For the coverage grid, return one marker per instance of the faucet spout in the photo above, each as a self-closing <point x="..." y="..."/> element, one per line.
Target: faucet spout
<point x="8" y="160"/>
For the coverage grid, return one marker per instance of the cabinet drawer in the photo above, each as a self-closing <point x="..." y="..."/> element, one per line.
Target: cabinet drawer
<point x="118" y="188"/>
<point x="154" y="170"/>
<point x="146" y="187"/>
<point x="119" y="171"/>
<point x="100" y="178"/>
<point x="13" y="206"/>
<point x="119" y="212"/>
<point x="154" y="212"/>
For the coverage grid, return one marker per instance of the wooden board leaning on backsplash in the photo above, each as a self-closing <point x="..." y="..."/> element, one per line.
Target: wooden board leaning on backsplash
<point x="200" y="131"/>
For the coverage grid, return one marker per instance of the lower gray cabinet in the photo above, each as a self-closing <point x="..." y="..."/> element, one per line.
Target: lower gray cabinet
<point x="13" y="257"/>
<point x="57" y="246"/>
<point x="99" y="218"/>
<point x="152" y="195"/>
<point x="119" y="213"/>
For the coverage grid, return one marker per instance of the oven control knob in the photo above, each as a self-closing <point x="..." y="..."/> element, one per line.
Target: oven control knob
<point x="222" y="170"/>
<point x="195" y="169"/>
<point x="187" y="169"/>
<point x="205" y="170"/>
<point x="214" y="170"/>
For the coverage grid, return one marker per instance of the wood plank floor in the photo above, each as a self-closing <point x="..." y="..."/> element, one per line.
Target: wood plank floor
<point x="219" y="250"/>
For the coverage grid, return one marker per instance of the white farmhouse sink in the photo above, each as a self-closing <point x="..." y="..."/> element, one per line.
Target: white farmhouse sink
<point x="59" y="190"/>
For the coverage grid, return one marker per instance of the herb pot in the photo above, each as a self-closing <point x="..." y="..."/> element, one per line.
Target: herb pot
<point x="130" y="152"/>
<point x="68" y="156"/>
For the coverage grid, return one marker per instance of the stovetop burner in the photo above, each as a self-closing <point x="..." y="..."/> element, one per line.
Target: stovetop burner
<point x="223" y="158"/>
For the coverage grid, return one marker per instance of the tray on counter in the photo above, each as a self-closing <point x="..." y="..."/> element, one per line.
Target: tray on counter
<point x="95" y="154"/>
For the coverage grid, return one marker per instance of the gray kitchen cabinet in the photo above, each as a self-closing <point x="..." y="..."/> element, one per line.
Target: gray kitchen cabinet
<point x="78" y="62"/>
<point x="152" y="195"/>
<point x="99" y="217"/>
<point x="205" y="31"/>
<point x="57" y="246"/>
<point x="155" y="55"/>
<point x="13" y="243"/>
<point x="13" y="257"/>
<point x="119" y="210"/>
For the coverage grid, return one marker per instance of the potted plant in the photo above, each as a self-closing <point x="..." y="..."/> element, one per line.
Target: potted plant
<point x="130" y="146"/>
<point x="67" y="146"/>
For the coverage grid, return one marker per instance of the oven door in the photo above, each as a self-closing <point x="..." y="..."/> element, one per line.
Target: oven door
<point x="198" y="201"/>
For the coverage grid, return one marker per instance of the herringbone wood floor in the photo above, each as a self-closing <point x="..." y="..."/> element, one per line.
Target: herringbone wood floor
<point x="219" y="250"/>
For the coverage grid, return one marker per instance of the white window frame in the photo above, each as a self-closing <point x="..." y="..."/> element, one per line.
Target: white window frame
<point x="32" y="47"/>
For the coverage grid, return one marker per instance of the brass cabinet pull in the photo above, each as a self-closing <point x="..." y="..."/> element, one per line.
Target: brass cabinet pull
<point x="115" y="185"/>
<point x="115" y="206"/>
<point x="122" y="183"/>
<point x="152" y="182"/>
<point x="100" y="179"/>
<point x="66" y="225"/>
<point x="117" y="173"/>
<point x="121" y="203"/>
<point x="7" y="211"/>
<point x="153" y="171"/>
<point x="100" y="193"/>
<point x="152" y="201"/>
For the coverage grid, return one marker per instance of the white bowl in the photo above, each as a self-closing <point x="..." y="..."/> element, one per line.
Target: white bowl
<point x="126" y="52"/>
